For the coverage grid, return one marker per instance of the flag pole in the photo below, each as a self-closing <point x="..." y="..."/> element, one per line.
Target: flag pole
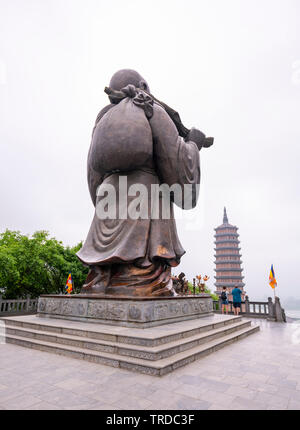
<point x="272" y="281"/>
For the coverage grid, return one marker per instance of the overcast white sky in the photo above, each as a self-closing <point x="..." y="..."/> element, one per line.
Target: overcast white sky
<point x="231" y="68"/>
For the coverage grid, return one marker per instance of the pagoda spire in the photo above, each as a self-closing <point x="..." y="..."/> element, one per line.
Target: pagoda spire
<point x="225" y="219"/>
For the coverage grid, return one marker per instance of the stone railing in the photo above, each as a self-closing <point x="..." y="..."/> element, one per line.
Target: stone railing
<point x="269" y="310"/>
<point x="18" y="306"/>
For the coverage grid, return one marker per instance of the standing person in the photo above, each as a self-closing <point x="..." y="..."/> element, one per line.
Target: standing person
<point x="224" y="298"/>
<point x="236" y="298"/>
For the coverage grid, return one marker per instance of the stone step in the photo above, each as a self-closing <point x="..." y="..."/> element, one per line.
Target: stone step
<point x="132" y="350"/>
<point x="147" y="337"/>
<point x="156" y="368"/>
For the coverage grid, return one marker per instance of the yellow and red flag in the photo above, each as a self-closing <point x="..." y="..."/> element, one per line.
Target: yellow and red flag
<point x="69" y="284"/>
<point x="272" y="279"/>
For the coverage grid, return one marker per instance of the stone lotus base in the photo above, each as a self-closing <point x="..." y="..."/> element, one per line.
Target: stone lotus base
<point x="127" y="312"/>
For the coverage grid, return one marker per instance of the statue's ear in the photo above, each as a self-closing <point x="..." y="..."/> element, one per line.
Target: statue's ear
<point x="143" y="85"/>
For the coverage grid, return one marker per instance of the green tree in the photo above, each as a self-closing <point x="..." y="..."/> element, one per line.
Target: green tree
<point x="197" y="291"/>
<point x="37" y="265"/>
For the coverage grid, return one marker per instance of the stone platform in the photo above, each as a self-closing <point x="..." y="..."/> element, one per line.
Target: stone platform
<point x="154" y="350"/>
<point x="259" y="372"/>
<point x="127" y="312"/>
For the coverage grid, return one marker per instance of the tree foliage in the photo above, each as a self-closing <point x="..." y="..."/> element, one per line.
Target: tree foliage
<point x="37" y="265"/>
<point x="197" y="291"/>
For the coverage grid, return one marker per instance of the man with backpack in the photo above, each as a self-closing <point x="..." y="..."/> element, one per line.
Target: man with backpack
<point x="224" y="299"/>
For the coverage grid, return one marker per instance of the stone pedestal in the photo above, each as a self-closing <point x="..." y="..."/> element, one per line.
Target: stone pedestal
<point x="128" y="312"/>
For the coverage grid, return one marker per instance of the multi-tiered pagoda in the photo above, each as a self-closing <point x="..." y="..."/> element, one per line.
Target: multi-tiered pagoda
<point x="228" y="258"/>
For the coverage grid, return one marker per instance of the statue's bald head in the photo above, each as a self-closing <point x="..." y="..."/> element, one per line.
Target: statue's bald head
<point x="124" y="77"/>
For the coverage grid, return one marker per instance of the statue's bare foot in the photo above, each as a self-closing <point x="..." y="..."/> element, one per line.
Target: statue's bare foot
<point x="95" y="283"/>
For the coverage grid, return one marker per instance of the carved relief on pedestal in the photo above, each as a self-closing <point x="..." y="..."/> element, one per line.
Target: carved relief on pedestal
<point x="81" y="307"/>
<point x="195" y="306"/>
<point x="73" y="307"/>
<point x="41" y="305"/>
<point x="53" y="306"/>
<point x="161" y="311"/>
<point x="134" y="313"/>
<point x="174" y="308"/>
<point x="67" y="307"/>
<point x="116" y="311"/>
<point x="96" y="309"/>
<point x="148" y="313"/>
<point x="203" y="307"/>
<point x="131" y="312"/>
<point x="185" y="307"/>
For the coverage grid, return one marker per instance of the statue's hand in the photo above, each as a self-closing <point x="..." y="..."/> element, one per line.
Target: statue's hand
<point x="196" y="136"/>
<point x="199" y="138"/>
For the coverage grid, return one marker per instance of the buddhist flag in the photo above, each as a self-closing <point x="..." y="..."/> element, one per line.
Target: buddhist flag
<point x="272" y="279"/>
<point x="69" y="284"/>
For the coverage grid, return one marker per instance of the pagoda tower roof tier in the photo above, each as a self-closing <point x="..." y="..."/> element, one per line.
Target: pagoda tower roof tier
<point x="227" y="247"/>
<point x="221" y="257"/>
<point x="228" y="255"/>
<point x="229" y="269"/>
<point x="225" y="227"/>
<point x="228" y="261"/>
<point x="229" y="277"/>
<point x="227" y="241"/>
<point x="226" y="234"/>
<point x="229" y="284"/>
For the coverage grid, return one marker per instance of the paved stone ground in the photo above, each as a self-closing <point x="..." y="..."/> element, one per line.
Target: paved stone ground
<point x="261" y="371"/>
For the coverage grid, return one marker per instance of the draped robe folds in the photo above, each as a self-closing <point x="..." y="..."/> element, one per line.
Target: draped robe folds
<point x="133" y="257"/>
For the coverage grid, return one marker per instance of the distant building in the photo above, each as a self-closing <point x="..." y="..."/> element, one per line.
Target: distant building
<point x="228" y="258"/>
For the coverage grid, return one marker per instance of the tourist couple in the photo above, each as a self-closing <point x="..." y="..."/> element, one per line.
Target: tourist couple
<point x="236" y="299"/>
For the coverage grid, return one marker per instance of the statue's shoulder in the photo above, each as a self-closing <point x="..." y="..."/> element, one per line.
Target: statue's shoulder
<point x="103" y="112"/>
<point x="159" y="113"/>
<point x="159" y="108"/>
<point x="160" y="122"/>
